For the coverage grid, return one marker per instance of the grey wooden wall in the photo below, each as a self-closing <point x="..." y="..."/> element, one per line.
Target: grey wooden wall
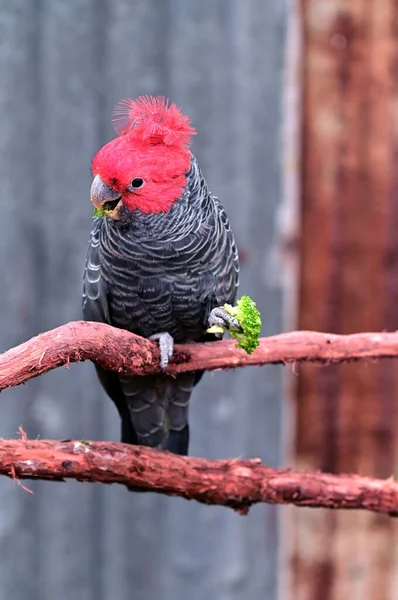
<point x="63" y="66"/>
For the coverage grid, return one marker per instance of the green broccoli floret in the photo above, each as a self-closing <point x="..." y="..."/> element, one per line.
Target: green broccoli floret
<point x="100" y="212"/>
<point x="249" y="318"/>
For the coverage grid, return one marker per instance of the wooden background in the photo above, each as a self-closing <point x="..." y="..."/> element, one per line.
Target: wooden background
<point x="63" y="66"/>
<point x="347" y="415"/>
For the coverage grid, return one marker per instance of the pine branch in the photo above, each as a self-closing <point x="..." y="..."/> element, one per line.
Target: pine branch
<point x="118" y="350"/>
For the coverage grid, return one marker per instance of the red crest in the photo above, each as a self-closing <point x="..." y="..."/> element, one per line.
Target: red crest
<point x="153" y="120"/>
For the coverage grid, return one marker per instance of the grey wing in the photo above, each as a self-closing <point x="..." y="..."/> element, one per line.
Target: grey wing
<point x="195" y="296"/>
<point x="95" y="308"/>
<point x="95" y="291"/>
<point x="221" y="257"/>
<point x="227" y="270"/>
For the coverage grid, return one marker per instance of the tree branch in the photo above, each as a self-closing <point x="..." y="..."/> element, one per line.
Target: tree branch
<point x="234" y="483"/>
<point x="118" y="350"/>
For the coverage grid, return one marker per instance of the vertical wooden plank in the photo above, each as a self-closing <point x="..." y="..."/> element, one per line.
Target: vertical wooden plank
<point x="236" y="113"/>
<point x="134" y="44"/>
<point x="193" y="75"/>
<point x="213" y="552"/>
<point x="63" y="66"/>
<point x="19" y="277"/>
<point x="290" y="222"/>
<point x="346" y="415"/>
<point x="66" y="402"/>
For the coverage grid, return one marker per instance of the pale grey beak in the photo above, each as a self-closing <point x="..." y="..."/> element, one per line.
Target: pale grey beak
<point x="103" y="196"/>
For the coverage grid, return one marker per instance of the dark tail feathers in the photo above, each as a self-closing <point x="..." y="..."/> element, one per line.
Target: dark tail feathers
<point x="157" y="414"/>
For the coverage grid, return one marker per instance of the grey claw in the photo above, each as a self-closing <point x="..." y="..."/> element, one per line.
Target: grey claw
<point x="219" y="316"/>
<point x="166" y="347"/>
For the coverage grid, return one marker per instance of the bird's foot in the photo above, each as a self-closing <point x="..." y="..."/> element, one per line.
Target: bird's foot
<point x="166" y="347"/>
<point x="219" y="317"/>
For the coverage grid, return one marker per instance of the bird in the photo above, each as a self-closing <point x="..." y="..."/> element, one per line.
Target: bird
<point x="161" y="262"/>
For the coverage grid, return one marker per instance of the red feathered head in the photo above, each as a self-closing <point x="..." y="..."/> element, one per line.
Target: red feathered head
<point x="145" y="166"/>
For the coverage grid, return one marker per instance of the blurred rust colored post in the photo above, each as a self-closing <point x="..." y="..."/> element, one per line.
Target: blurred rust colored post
<point x="347" y="414"/>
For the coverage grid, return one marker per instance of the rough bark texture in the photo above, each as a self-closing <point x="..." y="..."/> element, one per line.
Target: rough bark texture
<point x="234" y="483"/>
<point x="347" y="416"/>
<point x="118" y="350"/>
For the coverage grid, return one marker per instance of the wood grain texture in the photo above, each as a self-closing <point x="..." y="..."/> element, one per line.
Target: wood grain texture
<point x="63" y="67"/>
<point x="349" y="283"/>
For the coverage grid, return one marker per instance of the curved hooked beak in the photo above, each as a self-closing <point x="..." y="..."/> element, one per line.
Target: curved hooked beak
<point x="107" y="200"/>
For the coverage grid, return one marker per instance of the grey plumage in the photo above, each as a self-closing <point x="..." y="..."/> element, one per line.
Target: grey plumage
<point x="150" y="273"/>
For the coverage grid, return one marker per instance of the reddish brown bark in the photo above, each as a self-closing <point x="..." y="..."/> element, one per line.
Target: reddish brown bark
<point x="347" y="416"/>
<point x="234" y="483"/>
<point x="121" y="351"/>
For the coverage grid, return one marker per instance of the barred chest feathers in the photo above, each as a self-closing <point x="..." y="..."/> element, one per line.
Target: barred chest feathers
<point x="166" y="271"/>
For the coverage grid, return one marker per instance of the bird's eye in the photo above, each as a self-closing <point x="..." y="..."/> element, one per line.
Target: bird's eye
<point x="137" y="183"/>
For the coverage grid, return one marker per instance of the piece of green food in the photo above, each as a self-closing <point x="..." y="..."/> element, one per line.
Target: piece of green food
<point x="100" y="212"/>
<point x="249" y="319"/>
